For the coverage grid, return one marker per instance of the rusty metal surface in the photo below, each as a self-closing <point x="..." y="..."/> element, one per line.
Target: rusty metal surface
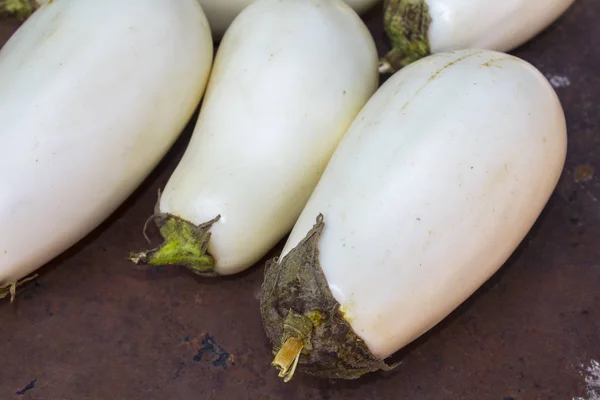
<point x="95" y="327"/>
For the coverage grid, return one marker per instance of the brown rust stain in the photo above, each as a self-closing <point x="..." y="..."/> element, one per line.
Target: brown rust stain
<point x="584" y="173"/>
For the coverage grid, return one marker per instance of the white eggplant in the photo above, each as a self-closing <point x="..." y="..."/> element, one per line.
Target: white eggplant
<point x="221" y="13"/>
<point x="417" y="28"/>
<point x="288" y="80"/>
<point x="92" y="95"/>
<point x="435" y="184"/>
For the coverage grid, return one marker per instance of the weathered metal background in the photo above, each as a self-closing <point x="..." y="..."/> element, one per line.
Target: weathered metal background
<point x="94" y="326"/>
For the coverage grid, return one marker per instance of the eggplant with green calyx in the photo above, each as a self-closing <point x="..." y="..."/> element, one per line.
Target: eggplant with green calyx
<point x="434" y="185"/>
<point x="288" y="79"/>
<point x="417" y="28"/>
<point x="92" y="96"/>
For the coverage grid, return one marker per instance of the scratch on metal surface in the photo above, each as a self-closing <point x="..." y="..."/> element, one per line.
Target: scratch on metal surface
<point x="30" y="385"/>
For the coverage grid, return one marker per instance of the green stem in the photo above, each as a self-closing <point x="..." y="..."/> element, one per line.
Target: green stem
<point x="21" y="9"/>
<point x="185" y="244"/>
<point x="10" y="288"/>
<point x="406" y="24"/>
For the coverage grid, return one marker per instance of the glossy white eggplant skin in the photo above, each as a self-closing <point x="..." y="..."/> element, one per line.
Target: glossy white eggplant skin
<point x="92" y="95"/>
<point x="435" y="184"/>
<point x="489" y="24"/>
<point x="221" y="13"/>
<point x="288" y="79"/>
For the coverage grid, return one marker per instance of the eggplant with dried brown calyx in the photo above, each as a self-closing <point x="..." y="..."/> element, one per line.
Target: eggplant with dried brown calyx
<point x="437" y="181"/>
